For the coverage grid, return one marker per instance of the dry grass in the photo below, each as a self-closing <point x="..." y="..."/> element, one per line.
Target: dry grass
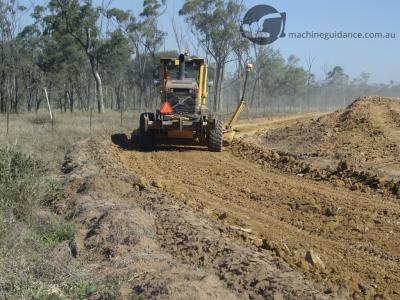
<point x="34" y="134"/>
<point x="30" y="233"/>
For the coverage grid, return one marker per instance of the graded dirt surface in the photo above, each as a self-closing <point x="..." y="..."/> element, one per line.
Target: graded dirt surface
<point x="249" y="222"/>
<point x="154" y="246"/>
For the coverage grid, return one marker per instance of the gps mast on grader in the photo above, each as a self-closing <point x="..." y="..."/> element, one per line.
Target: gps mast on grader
<point x="183" y="117"/>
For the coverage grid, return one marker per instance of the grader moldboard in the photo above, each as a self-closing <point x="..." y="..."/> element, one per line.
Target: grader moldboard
<point x="183" y="117"/>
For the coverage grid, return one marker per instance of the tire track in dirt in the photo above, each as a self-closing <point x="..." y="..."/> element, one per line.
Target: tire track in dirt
<point x="356" y="235"/>
<point x="154" y="246"/>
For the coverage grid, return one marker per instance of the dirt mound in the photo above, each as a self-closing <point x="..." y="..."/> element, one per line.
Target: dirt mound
<point x="366" y="134"/>
<point x="344" y="174"/>
<point x="367" y="131"/>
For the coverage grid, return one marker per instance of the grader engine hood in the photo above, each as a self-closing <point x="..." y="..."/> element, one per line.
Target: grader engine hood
<point x="182" y="95"/>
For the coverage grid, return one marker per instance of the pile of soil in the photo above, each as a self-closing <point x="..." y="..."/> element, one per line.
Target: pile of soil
<point x="366" y="134"/>
<point x="344" y="174"/>
<point x="360" y="142"/>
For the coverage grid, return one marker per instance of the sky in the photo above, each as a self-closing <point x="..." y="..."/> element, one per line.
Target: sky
<point x="379" y="57"/>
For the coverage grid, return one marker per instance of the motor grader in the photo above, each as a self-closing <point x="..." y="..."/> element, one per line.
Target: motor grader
<point x="183" y="117"/>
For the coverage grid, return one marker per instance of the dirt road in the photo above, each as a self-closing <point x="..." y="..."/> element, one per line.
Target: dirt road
<point x="139" y="241"/>
<point x="231" y="224"/>
<point x="355" y="235"/>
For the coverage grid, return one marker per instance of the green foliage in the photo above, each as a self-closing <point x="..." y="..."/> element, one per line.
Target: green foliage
<point x="337" y="76"/>
<point x="294" y="79"/>
<point x="58" y="232"/>
<point x="24" y="188"/>
<point x="216" y="25"/>
<point x="80" y="289"/>
<point x="119" y="15"/>
<point x="31" y="235"/>
<point x="145" y="38"/>
<point x="74" y="289"/>
<point x="46" y="293"/>
<point x="115" y="51"/>
<point x="23" y="183"/>
<point x="16" y="166"/>
<point x="77" y="49"/>
<point x="40" y="119"/>
<point x="151" y="8"/>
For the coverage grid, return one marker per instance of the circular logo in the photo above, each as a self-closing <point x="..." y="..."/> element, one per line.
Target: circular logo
<point x="263" y="24"/>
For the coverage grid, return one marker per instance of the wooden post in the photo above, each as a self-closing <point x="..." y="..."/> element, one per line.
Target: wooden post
<point x="121" y="113"/>
<point x="90" y="118"/>
<point x="49" y="107"/>
<point x="8" y="121"/>
<point x="121" y="107"/>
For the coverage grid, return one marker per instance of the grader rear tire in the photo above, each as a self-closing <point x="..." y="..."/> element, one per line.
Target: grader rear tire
<point x="216" y="137"/>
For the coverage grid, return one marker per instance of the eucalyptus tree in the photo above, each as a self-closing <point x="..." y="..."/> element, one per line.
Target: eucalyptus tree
<point x="79" y="21"/>
<point x="30" y="42"/>
<point x="336" y="86"/>
<point x="9" y="59"/>
<point x="216" y="26"/>
<point x="146" y="38"/>
<point x="71" y="32"/>
<point x="115" y="64"/>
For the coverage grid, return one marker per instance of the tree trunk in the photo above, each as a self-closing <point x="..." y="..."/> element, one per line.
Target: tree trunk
<point x="81" y="104"/>
<point x="221" y="89"/>
<point x="67" y="100"/>
<point x="2" y="100"/>
<point x="89" y="93"/>
<point x="135" y="97"/>
<point x="240" y="79"/>
<point x="8" y="94"/>
<point x="30" y="100"/>
<point x="71" y="100"/>
<point x="94" y="96"/>
<point x="217" y="85"/>
<point x="253" y="92"/>
<point x="118" y="96"/>
<point x="16" y="90"/>
<point x="37" y="101"/>
<point x="99" y="86"/>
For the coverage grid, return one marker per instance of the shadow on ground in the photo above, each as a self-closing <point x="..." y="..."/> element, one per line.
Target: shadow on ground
<point x="122" y="140"/>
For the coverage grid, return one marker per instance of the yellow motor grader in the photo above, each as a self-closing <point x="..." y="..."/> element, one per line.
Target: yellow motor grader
<point x="183" y="117"/>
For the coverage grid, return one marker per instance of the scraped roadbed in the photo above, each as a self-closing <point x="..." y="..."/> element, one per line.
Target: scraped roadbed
<point x="194" y="224"/>
<point x="355" y="235"/>
<point x="154" y="244"/>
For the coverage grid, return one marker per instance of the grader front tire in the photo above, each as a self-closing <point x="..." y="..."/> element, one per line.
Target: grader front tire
<point x="216" y="137"/>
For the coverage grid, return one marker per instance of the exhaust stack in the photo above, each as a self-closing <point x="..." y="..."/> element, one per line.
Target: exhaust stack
<point x="181" y="66"/>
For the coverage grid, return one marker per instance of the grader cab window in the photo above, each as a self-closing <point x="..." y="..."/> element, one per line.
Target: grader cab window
<point x="192" y="69"/>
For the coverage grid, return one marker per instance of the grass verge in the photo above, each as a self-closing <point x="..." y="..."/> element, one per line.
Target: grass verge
<point x="34" y="258"/>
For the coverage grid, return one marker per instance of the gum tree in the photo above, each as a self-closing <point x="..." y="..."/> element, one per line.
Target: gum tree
<point x="70" y="17"/>
<point x="216" y="26"/>
<point x="146" y="38"/>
